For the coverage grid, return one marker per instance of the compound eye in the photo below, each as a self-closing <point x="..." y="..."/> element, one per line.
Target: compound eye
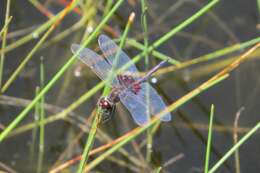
<point x="105" y="103"/>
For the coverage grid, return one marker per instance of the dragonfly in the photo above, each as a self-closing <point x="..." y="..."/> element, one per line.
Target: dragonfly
<point x="133" y="91"/>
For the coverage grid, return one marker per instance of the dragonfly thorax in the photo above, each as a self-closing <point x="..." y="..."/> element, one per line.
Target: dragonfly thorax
<point x="136" y="87"/>
<point x="129" y="82"/>
<point x="125" y="80"/>
<point x="114" y="94"/>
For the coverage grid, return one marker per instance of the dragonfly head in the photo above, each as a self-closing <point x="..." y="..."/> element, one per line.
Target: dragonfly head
<point x="105" y="104"/>
<point x="107" y="107"/>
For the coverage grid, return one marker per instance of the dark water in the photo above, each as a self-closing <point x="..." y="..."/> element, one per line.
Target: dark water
<point x="228" y="23"/>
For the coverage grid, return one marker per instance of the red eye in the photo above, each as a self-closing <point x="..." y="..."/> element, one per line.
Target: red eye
<point x="104" y="104"/>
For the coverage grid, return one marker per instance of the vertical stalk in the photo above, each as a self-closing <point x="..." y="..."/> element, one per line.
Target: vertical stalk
<point x="258" y="7"/>
<point x="206" y="168"/>
<point x="146" y="56"/>
<point x="235" y="140"/>
<point x="5" y="30"/>
<point x="41" y="120"/>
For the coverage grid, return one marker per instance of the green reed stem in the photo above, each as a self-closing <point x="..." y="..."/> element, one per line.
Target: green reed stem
<point x="4" y="40"/>
<point x="88" y="8"/>
<point x="41" y="121"/>
<point x="40" y="161"/>
<point x="235" y="147"/>
<point x="158" y="170"/>
<point x="149" y="143"/>
<point x="21" y="116"/>
<point x="108" y="7"/>
<point x="94" y="126"/>
<point x="206" y="165"/>
<point x="221" y="52"/>
<point x="155" y="53"/>
<point x="89" y="142"/>
<point x="6" y="25"/>
<point x="258" y="5"/>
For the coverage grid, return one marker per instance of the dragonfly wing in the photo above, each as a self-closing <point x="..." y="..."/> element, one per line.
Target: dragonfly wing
<point x="156" y="103"/>
<point x="138" y="106"/>
<point x="136" y="109"/>
<point x="110" y="49"/>
<point x="96" y="62"/>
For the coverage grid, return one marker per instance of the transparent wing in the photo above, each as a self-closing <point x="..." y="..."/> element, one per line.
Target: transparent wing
<point x="155" y="100"/>
<point x="137" y="104"/>
<point x="110" y="49"/>
<point x="96" y="62"/>
<point x="136" y="108"/>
